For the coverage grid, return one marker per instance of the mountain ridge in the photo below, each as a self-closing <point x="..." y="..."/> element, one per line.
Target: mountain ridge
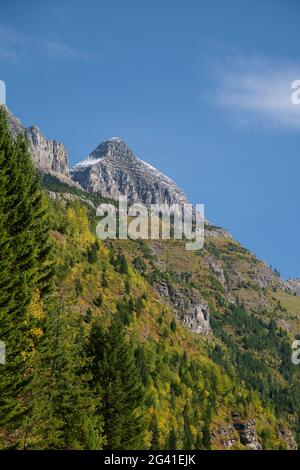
<point x="112" y="169"/>
<point x="213" y="328"/>
<point x="107" y="171"/>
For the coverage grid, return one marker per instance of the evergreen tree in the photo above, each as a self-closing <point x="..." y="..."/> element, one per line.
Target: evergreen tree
<point x="173" y="325"/>
<point x="11" y="381"/>
<point x="188" y="439"/>
<point x="116" y="377"/>
<point x="206" y="435"/>
<point x="25" y="276"/>
<point x="198" y="442"/>
<point x="63" y="415"/>
<point x="154" y="433"/>
<point x="172" y="441"/>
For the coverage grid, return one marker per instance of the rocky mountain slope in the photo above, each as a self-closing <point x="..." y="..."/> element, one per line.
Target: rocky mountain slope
<point x="49" y="156"/>
<point x="294" y="285"/>
<point x="214" y="329"/>
<point x="112" y="170"/>
<point x="221" y="319"/>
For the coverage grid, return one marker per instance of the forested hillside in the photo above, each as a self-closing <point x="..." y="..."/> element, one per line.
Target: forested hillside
<point x="98" y="352"/>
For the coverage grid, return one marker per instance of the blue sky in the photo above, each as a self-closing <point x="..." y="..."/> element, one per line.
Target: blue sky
<point x="199" y="89"/>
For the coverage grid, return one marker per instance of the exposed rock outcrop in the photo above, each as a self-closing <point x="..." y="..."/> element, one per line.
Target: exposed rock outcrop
<point x="188" y="306"/>
<point x="49" y="156"/>
<point x="247" y="432"/>
<point x="212" y="231"/>
<point x="294" y="286"/>
<point x="287" y="436"/>
<point x="215" y="267"/>
<point x="112" y="170"/>
<point x="68" y="197"/>
<point x="265" y="277"/>
<point x="224" y="436"/>
<point x="244" y="431"/>
<point x="14" y="123"/>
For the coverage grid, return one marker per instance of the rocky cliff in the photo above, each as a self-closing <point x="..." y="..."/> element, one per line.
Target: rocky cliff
<point x="294" y="286"/>
<point x="49" y="156"/>
<point x="188" y="306"/>
<point x="239" y="431"/>
<point x="112" y="169"/>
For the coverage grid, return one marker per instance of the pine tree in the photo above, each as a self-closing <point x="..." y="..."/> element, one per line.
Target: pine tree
<point x="63" y="415"/>
<point x="27" y="218"/>
<point x="10" y="326"/>
<point x="116" y="378"/>
<point x="172" y="441"/>
<point x="154" y="433"/>
<point x="25" y="275"/>
<point x="188" y="438"/>
<point x="206" y="435"/>
<point x="198" y="442"/>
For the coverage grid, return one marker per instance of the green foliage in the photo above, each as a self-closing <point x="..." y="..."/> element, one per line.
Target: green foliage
<point x="92" y="252"/>
<point x="54" y="184"/>
<point x="253" y="349"/>
<point x="115" y="377"/>
<point x="173" y="325"/>
<point x="119" y="262"/>
<point x="172" y="440"/>
<point x="25" y="275"/>
<point x="155" y="434"/>
<point x="139" y="264"/>
<point x="98" y="301"/>
<point x="63" y="412"/>
<point x="83" y="377"/>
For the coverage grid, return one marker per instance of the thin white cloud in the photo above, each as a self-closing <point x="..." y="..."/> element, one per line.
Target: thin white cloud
<point x="12" y="45"/>
<point x="55" y="48"/>
<point x="16" y="47"/>
<point x="256" y="91"/>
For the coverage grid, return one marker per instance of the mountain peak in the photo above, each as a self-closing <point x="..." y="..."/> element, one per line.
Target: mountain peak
<point x="112" y="170"/>
<point x="113" y="148"/>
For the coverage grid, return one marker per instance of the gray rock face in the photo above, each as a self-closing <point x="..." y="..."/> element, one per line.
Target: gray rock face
<point x="190" y="309"/>
<point x="211" y="231"/>
<point x="287" y="436"/>
<point x="14" y="123"/>
<point x="49" y="156"/>
<point x="294" y="286"/>
<point x="265" y="277"/>
<point x="247" y="432"/>
<point x="224" y="435"/>
<point x="112" y="170"/>
<point x="215" y="267"/>
<point x="68" y="197"/>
